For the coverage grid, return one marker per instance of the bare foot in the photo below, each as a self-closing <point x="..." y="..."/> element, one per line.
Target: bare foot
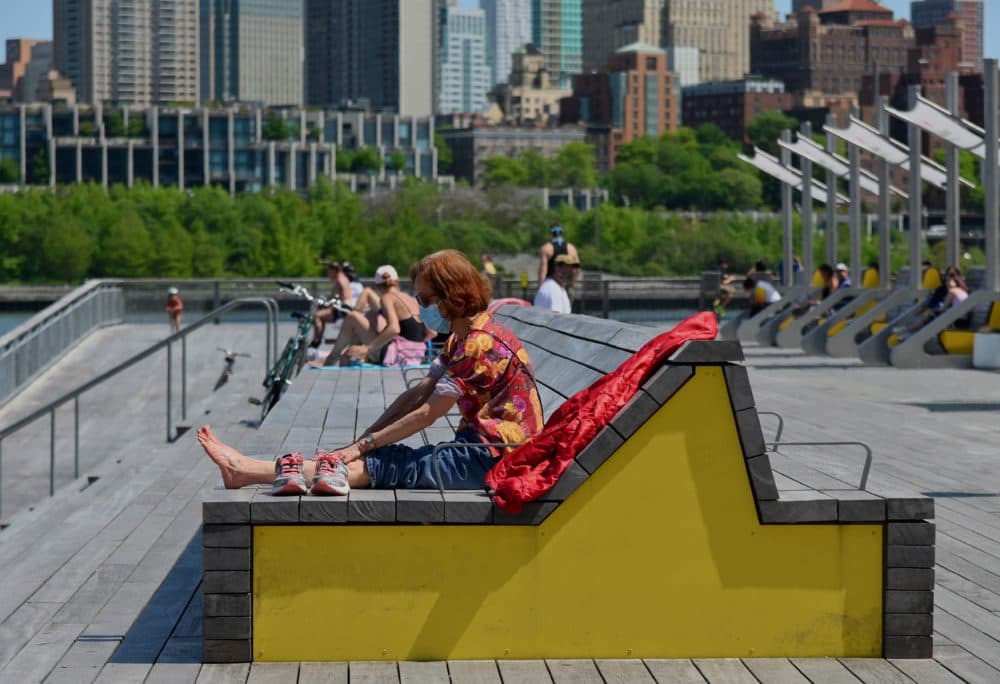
<point x="234" y="466"/>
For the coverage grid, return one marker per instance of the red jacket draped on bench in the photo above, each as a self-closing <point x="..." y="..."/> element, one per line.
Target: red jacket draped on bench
<point x="529" y="471"/>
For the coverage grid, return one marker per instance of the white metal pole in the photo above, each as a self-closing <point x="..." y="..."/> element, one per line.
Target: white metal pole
<point x="807" y="208"/>
<point x="884" y="233"/>
<point x="831" y="197"/>
<point x="915" y="227"/>
<point x="991" y="176"/>
<point x="952" y="197"/>
<point x="854" y="212"/>
<point x="786" y="213"/>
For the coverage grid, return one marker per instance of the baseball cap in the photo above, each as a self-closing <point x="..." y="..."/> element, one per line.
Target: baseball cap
<point x="556" y="229"/>
<point x="171" y="290"/>
<point x="842" y="267"/>
<point x="385" y="274"/>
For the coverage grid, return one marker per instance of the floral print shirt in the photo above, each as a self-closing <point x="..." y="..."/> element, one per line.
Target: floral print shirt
<point x="499" y="398"/>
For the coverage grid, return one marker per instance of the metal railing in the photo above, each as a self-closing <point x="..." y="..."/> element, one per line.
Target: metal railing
<point x="271" y="344"/>
<point x="773" y="446"/>
<point x="32" y="347"/>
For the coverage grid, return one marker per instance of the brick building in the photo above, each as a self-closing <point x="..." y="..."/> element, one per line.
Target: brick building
<point x="731" y="105"/>
<point x="634" y="96"/>
<point x="931" y="13"/>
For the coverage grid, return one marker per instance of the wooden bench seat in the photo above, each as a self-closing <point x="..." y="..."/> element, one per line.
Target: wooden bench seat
<point x="670" y="535"/>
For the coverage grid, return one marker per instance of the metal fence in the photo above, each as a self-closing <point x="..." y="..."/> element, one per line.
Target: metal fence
<point x="36" y="344"/>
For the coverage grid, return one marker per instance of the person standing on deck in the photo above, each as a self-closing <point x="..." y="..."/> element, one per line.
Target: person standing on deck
<point x="553" y="248"/>
<point x="552" y="294"/>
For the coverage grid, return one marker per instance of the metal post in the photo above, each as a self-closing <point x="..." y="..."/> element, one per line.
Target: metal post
<point x="831" y="197"/>
<point x="953" y="202"/>
<point x="52" y="452"/>
<point x="991" y="176"/>
<point x="854" y="213"/>
<point x="169" y="384"/>
<point x="884" y="232"/>
<point x="1" y="478"/>
<point x="786" y="213"/>
<point x="184" y="377"/>
<point x="916" y="232"/>
<point x="807" y="208"/>
<point x="76" y="437"/>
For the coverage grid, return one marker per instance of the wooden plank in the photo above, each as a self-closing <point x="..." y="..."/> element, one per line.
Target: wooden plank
<point x="123" y="673"/>
<point x="36" y="660"/>
<point x="435" y="672"/>
<point x="983" y="646"/>
<point x="373" y="672"/>
<point x="524" y="672"/>
<point x="673" y="671"/>
<point x="724" y="671"/>
<point x="965" y="665"/>
<point x="273" y="673"/>
<point x="774" y="670"/>
<point x="925" y="671"/>
<point x="875" y="671"/>
<point x="227" y="673"/>
<point x="175" y="673"/>
<point x="574" y="672"/>
<point x="824" y="670"/>
<point x="620" y="671"/>
<point x="473" y="672"/>
<point x="323" y="673"/>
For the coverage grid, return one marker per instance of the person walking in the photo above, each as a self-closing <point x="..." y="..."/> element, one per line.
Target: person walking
<point x="175" y="308"/>
<point x="552" y="294"/>
<point x="550" y="250"/>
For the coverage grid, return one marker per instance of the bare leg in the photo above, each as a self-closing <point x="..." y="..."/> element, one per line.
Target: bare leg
<point x="356" y="329"/>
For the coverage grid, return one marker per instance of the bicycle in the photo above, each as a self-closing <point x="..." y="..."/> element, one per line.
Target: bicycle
<point x="291" y="359"/>
<point x="229" y="365"/>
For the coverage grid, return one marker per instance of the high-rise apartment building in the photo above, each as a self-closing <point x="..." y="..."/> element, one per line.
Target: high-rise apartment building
<point x="557" y="31"/>
<point x="508" y="27"/>
<point x="930" y="13"/>
<point x="251" y="51"/>
<point x="27" y="60"/>
<point x="611" y="24"/>
<point x="378" y="50"/>
<point x="465" y="75"/>
<point x="128" y="51"/>
<point x="720" y="31"/>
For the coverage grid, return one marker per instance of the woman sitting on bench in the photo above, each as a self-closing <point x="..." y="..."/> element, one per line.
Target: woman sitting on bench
<point x="483" y="368"/>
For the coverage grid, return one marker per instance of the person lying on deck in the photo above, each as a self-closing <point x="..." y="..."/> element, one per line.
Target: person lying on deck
<point x="483" y="368"/>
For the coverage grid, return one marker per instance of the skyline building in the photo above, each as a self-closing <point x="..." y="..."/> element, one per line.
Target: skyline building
<point x="381" y="51"/>
<point x="128" y="51"/>
<point x="465" y="75"/>
<point x="557" y="31"/>
<point x="508" y="29"/>
<point x="720" y="31"/>
<point x="611" y="24"/>
<point x="251" y="51"/>
<point x="926" y="14"/>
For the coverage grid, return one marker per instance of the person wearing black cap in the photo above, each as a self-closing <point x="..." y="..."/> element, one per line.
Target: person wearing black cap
<point x="553" y="248"/>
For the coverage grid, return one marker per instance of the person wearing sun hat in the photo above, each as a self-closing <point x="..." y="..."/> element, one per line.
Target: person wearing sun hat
<point x="550" y="250"/>
<point x="384" y="313"/>
<point x="552" y="294"/>
<point x="843" y="276"/>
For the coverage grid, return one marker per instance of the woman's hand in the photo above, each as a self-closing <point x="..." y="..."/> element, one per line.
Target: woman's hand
<point x="359" y="352"/>
<point x="351" y="452"/>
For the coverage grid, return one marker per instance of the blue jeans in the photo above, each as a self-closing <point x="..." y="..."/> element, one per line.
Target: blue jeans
<point x="396" y="466"/>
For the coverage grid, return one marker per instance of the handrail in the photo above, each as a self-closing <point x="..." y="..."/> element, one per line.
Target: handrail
<point x="271" y="327"/>
<point x="777" y="442"/>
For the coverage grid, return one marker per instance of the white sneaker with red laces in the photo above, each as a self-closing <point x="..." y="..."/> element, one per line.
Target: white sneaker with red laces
<point x="288" y="477"/>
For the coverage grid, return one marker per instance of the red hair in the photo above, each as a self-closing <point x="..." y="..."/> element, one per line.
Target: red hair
<point x="462" y="291"/>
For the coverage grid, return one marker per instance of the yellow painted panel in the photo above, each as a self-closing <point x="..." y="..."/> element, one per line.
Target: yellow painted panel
<point x="932" y="279"/>
<point x="785" y="323"/>
<point x="993" y="323"/>
<point x="837" y="327"/>
<point x="658" y="554"/>
<point x="957" y="341"/>
<point x="870" y="278"/>
<point x="878" y="325"/>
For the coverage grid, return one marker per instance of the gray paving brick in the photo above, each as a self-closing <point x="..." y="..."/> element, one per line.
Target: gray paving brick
<point x="909" y="624"/>
<point x="738" y="383"/>
<point x="371" y="506"/>
<point x="568" y="482"/>
<point x="666" y="381"/>
<point x="898" y="556"/>
<point x="907" y="647"/>
<point x="223" y="558"/>
<point x="227" y="627"/>
<point x="227" y="605"/>
<point x="226" y="582"/>
<point x="225" y="535"/>
<point x="712" y="352"/>
<point x="419" y="506"/>
<point x="920" y="579"/>
<point x="907" y="507"/>
<point x="227" y="651"/>
<point x="751" y="437"/>
<point x="857" y="506"/>
<point x="474" y="508"/>
<point x="267" y="509"/>
<point x="534" y="513"/>
<point x="226" y="506"/>
<point x="605" y="443"/>
<point x="762" y="478"/>
<point x="323" y="509"/>
<point x="634" y="414"/>
<point x="798" y="507"/>
<point x="910" y="533"/>
<point x="900" y="601"/>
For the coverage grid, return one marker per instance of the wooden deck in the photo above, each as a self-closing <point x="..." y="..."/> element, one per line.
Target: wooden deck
<point x="103" y="584"/>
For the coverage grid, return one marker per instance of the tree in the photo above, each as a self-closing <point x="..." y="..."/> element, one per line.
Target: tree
<point x="38" y="171"/>
<point x="125" y="247"/>
<point x="115" y="127"/>
<point x="397" y="161"/>
<point x="67" y="250"/>
<point x="537" y="169"/>
<point x="136" y="127"/>
<point x="366" y="160"/>
<point x="575" y="166"/>
<point x="765" y="129"/>
<point x="274" y="128"/>
<point x="10" y="172"/>
<point x="501" y="171"/>
<point x="446" y="156"/>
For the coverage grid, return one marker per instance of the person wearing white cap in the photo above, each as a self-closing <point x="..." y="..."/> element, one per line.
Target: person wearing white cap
<point x="364" y="336"/>
<point x="843" y="276"/>
<point x="175" y="308"/>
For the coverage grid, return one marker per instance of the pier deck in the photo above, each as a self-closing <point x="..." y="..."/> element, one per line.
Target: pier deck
<point x="103" y="585"/>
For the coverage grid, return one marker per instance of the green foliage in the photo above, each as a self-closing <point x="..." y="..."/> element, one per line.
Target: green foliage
<point x="397" y="161"/>
<point x="765" y="129"/>
<point x="136" y="126"/>
<point x="10" y="172"/>
<point x="361" y="160"/>
<point x="67" y="250"/>
<point x="38" y="169"/>
<point x="88" y="129"/>
<point x="574" y="166"/>
<point x="114" y="128"/>
<point x="446" y="157"/>
<point x="274" y="128"/>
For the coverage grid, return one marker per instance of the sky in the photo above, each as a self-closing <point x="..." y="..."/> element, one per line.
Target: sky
<point x="33" y="18"/>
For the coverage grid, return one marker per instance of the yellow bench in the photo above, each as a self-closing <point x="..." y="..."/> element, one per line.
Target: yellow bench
<point x="961" y="341"/>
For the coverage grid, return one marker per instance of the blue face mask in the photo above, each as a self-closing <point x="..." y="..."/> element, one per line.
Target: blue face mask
<point x="432" y="318"/>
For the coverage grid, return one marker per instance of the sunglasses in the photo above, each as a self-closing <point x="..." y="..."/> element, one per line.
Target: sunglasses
<point x="423" y="300"/>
